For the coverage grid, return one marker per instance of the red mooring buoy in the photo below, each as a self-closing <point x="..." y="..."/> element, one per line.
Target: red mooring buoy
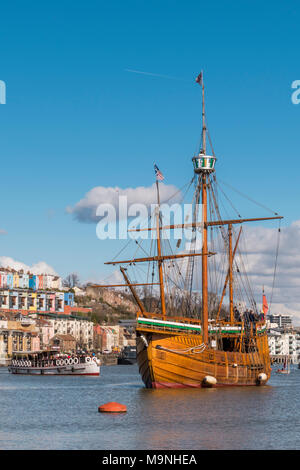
<point x="112" y="407"/>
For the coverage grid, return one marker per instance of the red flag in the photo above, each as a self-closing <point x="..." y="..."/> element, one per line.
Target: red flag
<point x="265" y="305"/>
<point x="199" y="78"/>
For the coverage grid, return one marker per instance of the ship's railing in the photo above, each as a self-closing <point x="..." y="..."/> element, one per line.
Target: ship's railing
<point x="156" y="316"/>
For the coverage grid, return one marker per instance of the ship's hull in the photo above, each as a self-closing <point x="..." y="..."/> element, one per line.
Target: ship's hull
<point x="164" y="363"/>
<point x="91" y="368"/>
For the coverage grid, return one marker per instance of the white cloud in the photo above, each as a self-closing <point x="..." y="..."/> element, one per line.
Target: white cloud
<point x="259" y="255"/>
<point x="3" y="232"/>
<point x="38" y="268"/>
<point x="85" y="210"/>
<point x="114" y="278"/>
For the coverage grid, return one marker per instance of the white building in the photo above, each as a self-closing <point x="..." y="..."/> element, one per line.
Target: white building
<point x="284" y="344"/>
<point x="79" y="327"/>
<point x="282" y="321"/>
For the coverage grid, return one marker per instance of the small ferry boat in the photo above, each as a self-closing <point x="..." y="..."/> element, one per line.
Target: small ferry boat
<point x="53" y="363"/>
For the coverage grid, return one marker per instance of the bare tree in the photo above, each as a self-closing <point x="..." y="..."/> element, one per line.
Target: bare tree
<point x="71" y="280"/>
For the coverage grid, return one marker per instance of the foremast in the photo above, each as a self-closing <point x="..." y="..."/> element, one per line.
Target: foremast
<point x="160" y="261"/>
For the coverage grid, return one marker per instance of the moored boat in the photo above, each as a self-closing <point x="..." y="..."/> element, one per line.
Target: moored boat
<point x="286" y="367"/>
<point x="52" y="363"/>
<point x="183" y="342"/>
<point x="127" y="356"/>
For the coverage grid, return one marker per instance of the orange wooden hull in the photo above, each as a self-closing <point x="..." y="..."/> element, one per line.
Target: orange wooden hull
<point x="163" y="363"/>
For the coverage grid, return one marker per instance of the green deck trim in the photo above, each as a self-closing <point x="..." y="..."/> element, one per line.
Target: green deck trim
<point x="177" y="326"/>
<point x="168" y="325"/>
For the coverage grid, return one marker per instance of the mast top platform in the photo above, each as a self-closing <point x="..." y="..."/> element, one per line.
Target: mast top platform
<point x="204" y="163"/>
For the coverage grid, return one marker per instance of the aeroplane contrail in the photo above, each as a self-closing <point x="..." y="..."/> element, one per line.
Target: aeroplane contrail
<point x="155" y="75"/>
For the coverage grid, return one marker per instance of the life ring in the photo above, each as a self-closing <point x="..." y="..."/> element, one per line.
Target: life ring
<point x="66" y="361"/>
<point x="87" y="359"/>
<point x="29" y="363"/>
<point x="75" y="360"/>
<point x="58" y="362"/>
<point x="94" y="359"/>
<point x="71" y="361"/>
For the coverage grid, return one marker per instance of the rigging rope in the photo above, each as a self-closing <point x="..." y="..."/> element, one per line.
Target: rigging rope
<point x="275" y="266"/>
<point x="248" y="197"/>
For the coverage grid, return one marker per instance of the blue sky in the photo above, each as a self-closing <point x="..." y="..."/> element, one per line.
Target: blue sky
<point x="76" y="119"/>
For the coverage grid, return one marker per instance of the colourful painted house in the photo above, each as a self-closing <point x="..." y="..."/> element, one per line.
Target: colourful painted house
<point x="32" y="282"/>
<point x="4" y="299"/>
<point x="10" y="281"/>
<point x="59" y="301"/>
<point x="13" y="300"/>
<point x="41" y="281"/>
<point x="69" y="298"/>
<point x="32" y="301"/>
<point x="41" y="302"/>
<point x="15" y="280"/>
<point x="23" y="281"/>
<point x="50" y="302"/>
<point x="23" y="298"/>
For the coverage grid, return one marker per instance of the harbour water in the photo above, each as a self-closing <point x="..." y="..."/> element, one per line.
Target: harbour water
<point x="62" y="413"/>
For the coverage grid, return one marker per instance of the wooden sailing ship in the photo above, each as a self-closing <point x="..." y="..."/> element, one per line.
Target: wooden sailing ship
<point x="199" y="347"/>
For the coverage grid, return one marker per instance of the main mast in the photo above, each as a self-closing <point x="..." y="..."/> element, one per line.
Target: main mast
<point x="203" y="165"/>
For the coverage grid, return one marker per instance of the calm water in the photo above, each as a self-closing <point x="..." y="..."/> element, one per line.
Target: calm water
<point x="62" y="413"/>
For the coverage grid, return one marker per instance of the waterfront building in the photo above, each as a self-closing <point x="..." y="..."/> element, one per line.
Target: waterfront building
<point x="64" y="342"/>
<point x="45" y="332"/>
<point x="283" y="344"/>
<point x="282" y="321"/>
<point x="17" y="333"/>
<point x="79" y="327"/>
<point x="112" y="337"/>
